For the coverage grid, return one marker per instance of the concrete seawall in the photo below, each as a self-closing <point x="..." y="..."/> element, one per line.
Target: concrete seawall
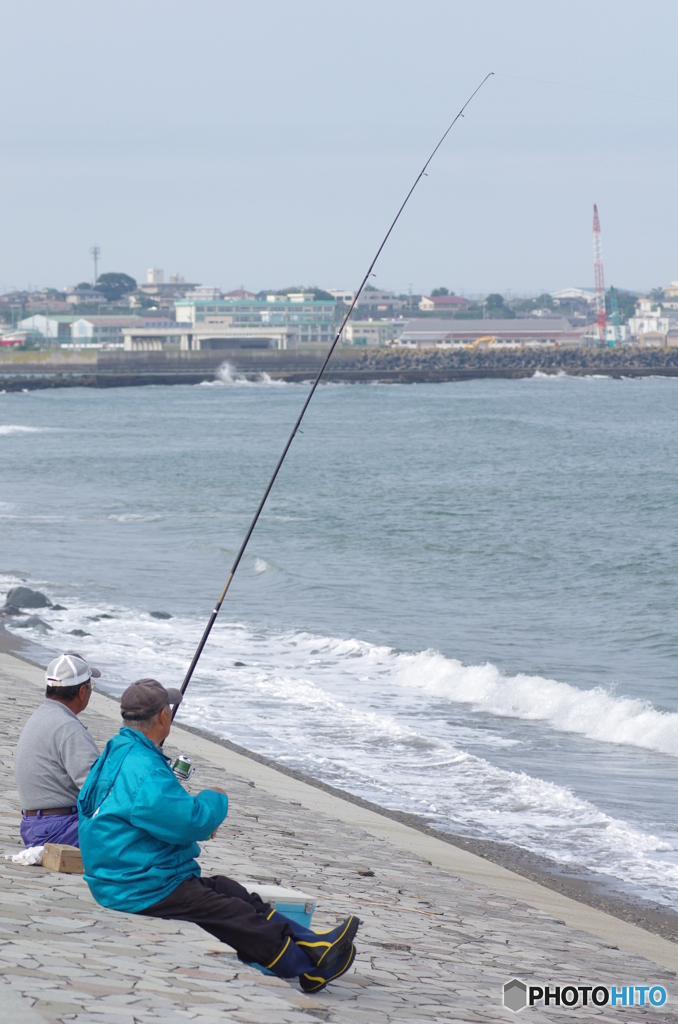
<point x="29" y="371"/>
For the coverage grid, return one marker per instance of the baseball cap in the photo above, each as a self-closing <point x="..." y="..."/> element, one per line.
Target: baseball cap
<point x="70" y="669"/>
<point x="145" y="698"/>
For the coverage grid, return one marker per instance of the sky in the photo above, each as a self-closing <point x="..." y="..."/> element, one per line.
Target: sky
<point x="269" y="143"/>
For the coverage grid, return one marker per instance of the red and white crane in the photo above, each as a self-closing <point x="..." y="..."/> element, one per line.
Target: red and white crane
<point x="601" y="318"/>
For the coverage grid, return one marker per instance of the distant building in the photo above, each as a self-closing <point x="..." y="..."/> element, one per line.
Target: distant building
<point x="648" y="319"/>
<point x="83" y="296"/>
<point x="313" y="320"/>
<point x="51" y="328"/>
<point x="102" y="330"/>
<point x="583" y="294"/>
<point x="213" y="335"/>
<point x="672" y="291"/>
<point x="240" y="293"/>
<point x="652" y="339"/>
<point x="341" y="295"/>
<point x="47" y="302"/>
<point x="155" y="285"/>
<point x="495" y="333"/>
<point x="205" y="292"/>
<point x="442" y="303"/>
<point x="373" y="332"/>
<point x="590" y="335"/>
<point x="372" y="300"/>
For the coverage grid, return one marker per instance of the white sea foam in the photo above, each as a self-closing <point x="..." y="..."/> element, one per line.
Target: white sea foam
<point x="366" y="718"/>
<point x="228" y="376"/>
<point x="15" y="428"/>
<point x="135" y="517"/>
<point x="595" y="713"/>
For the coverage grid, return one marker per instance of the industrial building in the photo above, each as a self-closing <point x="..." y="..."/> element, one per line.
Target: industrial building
<point x="498" y="333"/>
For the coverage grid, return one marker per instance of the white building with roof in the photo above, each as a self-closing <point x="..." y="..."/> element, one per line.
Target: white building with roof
<point x="648" y="320"/>
<point x="373" y="332"/>
<point x="97" y="331"/>
<point x="342" y="295"/>
<point x="52" y="328"/>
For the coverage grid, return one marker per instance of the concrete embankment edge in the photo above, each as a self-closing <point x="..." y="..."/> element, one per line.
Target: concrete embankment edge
<point x="445" y="857"/>
<point x="113" y="369"/>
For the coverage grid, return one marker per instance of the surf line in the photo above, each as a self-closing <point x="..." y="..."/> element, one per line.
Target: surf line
<point x="241" y="552"/>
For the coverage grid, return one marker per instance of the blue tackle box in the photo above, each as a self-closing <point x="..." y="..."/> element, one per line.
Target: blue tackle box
<point x="298" y="906"/>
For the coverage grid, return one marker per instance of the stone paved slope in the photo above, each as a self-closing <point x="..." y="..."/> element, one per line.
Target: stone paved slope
<point x="433" y="946"/>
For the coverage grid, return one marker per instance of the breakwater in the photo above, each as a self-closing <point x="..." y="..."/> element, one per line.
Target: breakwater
<point x="101" y="369"/>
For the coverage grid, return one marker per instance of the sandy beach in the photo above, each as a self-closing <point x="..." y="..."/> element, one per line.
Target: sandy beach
<point x="443" y="928"/>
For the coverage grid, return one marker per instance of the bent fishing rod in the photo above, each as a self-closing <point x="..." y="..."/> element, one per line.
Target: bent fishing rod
<point x="241" y="552"/>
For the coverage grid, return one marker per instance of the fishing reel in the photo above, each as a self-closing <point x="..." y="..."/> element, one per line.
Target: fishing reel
<point x="183" y="767"/>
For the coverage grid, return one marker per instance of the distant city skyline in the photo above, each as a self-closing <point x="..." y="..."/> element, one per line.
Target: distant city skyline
<point x="144" y="130"/>
<point x="508" y="293"/>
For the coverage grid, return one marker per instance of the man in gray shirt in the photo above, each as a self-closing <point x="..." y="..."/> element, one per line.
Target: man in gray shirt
<point x="55" y="753"/>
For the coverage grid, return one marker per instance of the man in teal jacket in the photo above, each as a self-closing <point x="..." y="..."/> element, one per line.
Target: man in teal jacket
<point x="139" y="832"/>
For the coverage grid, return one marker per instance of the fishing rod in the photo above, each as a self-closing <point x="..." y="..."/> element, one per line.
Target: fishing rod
<point x="241" y="552"/>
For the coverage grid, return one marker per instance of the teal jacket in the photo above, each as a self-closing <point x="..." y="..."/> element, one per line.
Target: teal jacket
<point x="138" y="826"/>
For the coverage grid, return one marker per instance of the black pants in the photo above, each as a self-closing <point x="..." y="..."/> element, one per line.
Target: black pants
<point x="226" y="909"/>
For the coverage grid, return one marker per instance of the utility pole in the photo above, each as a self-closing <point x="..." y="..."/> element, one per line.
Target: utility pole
<point x="601" y="318"/>
<point x="95" y="251"/>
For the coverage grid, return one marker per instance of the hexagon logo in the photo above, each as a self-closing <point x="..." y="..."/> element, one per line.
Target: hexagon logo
<point x="515" y="995"/>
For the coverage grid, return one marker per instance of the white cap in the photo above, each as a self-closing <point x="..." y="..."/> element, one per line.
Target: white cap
<point x="70" y="669"/>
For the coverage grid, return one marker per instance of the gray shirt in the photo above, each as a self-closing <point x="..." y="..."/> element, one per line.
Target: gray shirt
<point x="52" y="758"/>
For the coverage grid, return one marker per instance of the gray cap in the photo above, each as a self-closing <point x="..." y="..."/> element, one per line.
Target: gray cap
<point x="145" y="698"/>
<point x="70" y="669"/>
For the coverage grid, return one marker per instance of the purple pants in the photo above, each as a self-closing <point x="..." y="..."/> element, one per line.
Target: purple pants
<point x="50" y="828"/>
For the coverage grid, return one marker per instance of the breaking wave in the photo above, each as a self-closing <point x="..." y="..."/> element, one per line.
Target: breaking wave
<point x="367" y="719"/>
<point x="596" y="714"/>
<point x="227" y="375"/>
<point x="15" y="428"/>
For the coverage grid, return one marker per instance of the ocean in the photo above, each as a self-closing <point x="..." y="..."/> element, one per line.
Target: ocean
<point x="461" y="600"/>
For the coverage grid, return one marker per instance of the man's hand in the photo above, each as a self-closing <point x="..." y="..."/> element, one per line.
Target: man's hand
<point x="217" y="789"/>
